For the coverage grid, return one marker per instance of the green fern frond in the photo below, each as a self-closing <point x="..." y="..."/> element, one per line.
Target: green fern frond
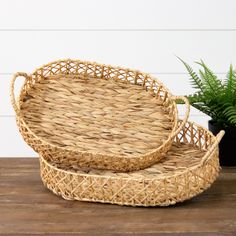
<point x="229" y="81"/>
<point x="209" y="79"/>
<point x="230" y="85"/>
<point x="213" y="97"/>
<point x="208" y="88"/>
<point x="230" y="113"/>
<point x="195" y="80"/>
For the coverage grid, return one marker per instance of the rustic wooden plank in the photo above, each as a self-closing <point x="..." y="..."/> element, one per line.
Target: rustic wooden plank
<point x="27" y="207"/>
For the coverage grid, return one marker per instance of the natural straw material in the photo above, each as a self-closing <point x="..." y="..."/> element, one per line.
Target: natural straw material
<point x="93" y="115"/>
<point x="189" y="168"/>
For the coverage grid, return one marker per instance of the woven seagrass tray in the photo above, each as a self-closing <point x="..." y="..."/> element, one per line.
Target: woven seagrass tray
<point x="190" y="167"/>
<point x="93" y="115"/>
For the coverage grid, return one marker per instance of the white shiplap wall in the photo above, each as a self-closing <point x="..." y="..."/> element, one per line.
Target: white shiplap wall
<point x="141" y="34"/>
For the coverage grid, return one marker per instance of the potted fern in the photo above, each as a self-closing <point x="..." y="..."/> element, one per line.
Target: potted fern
<point x="217" y="99"/>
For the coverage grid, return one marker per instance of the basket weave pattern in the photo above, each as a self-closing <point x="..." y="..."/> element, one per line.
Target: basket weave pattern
<point x="190" y="167"/>
<point x="61" y="75"/>
<point x="104" y="115"/>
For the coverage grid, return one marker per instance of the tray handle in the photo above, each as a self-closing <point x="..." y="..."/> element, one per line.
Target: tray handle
<point x="186" y="116"/>
<point x="219" y="136"/>
<point x="12" y="90"/>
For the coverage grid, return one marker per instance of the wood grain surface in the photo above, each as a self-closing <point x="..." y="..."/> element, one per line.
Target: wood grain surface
<point x="28" y="208"/>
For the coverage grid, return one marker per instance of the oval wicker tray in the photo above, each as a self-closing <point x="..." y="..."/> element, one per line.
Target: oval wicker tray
<point x="189" y="168"/>
<point x="94" y="115"/>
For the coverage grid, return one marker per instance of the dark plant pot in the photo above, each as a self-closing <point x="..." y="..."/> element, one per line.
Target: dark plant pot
<point x="227" y="146"/>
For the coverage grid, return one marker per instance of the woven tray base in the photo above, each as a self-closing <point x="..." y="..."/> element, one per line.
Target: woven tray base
<point x="189" y="168"/>
<point x="96" y="115"/>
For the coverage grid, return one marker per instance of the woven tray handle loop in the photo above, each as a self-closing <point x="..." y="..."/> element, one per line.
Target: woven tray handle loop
<point x="219" y="136"/>
<point x="184" y="121"/>
<point x="12" y="90"/>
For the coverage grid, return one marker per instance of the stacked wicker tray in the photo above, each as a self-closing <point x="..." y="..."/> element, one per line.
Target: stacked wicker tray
<point x="109" y="134"/>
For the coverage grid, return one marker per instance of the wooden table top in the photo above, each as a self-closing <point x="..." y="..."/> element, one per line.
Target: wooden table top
<point x="28" y="208"/>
